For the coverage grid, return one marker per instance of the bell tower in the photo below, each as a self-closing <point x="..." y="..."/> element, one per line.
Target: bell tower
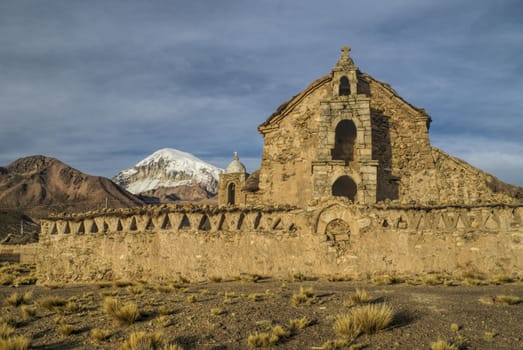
<point x="344" y="166"/>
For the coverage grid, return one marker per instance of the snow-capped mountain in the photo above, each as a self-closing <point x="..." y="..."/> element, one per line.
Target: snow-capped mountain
<point x="169" y="169"/>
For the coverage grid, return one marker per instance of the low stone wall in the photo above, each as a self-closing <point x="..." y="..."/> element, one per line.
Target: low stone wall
<point x="331" y="238"/>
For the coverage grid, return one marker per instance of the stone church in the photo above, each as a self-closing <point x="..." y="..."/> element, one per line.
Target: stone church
<point x="348" y="136"/>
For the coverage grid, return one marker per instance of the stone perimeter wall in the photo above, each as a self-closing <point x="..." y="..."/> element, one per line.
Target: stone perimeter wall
<point x="198" y="242"/>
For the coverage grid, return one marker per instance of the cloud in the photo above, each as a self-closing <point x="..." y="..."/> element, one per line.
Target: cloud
<point x="101" y="84"/>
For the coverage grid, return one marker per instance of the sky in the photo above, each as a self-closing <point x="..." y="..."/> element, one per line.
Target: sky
<point x="100" y="85"/>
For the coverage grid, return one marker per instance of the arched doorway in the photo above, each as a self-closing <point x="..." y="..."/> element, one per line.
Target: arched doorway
<point x="345" y="137"/>
<point x="231" y="193"/>
<point x="344" y="186"/>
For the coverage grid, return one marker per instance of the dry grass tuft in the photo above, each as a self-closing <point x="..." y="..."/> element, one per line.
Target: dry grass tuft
<point x="164" y="310"/>
<point x="261" y="340"/>
<point x="298" y="323"/>
<point x="6" y="330"/>
<point x="191" y="298"/>
<point x="304" y="296"/>
<point x="442" y="345"/>
<point x="372" y="317"/>
<point x="359" y="297"/>
<point x="14" y="343"/>
<point x="345" y="327"/>
<point x="454" y="327"/>
<point x="500" y="299"/>
<point x="143" y="341"/>
<point x="507" y="299"/>
<point x="67" y="329"/>
<point x="28" y="313"/>
<point x="217" y="311"/>
<point x="100" y="334"/>
<point x="52" y="302"/>
<point x="386" y="280"/>
<point x="216" y="279"/>
<point x="366" y="319"/>
<point x="126" y="314"/>
<point x="14" y="299"/>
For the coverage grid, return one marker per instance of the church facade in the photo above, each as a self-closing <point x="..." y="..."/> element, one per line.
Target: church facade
<point x="350" y="136"/>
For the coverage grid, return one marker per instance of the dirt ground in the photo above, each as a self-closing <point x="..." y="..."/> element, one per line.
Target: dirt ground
<point x="222" y="314"/>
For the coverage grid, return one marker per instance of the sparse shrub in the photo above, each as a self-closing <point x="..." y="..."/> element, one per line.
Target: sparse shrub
<point x="136" y="289"/>
<point x="73" y="307"/>
<point x="454" y="327"/>
<point x="304" y="296"/>
<point x="163" y="321"/>
<point x="507" y="299"/>
<point x="52" y="302"/>
<point x="14" y="343"/>
<point x="27" y="312"/>
<point x="386" y="280"/>
<point x="298" y="323"/>
<point x="500" y="299"/>
<point x="143" y="341"/>
<point x="164" y="310"/>
<point x="217" y="311"/>
<point x="216" y="279"/>
<point x="261" y="340"/>
<point x="489" y="336"/>
<point x="432" y="280"/>
<point x="191" y="298"/>
<point x="24" y="280"/>
<point x="372" y="317"/>
<point x="5" y="330"/>
<point x="54" y="285"/>
<point x="183" y="280"/>
<point x="14" y="299"/>
<point x="279" y="332"/>
<point x="67" y="329"/>
<point x="126" y="314"/>
<point x="341" y="344"/>
<point x="256" y="296"/>
<point x="345" y="327"/>
<point x="248" y="277"/>
<point x="100" y="334"/>
<point x="299" y="277"/>
<point x="123" y="284"/>
<point x="501" y="279"/>
<point x="442" y="345"/>
<point x="163" y="288"/>
<point x="359" y="297"/>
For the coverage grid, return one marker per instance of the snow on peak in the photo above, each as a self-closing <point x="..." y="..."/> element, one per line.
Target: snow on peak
<point x="169" y="167"/>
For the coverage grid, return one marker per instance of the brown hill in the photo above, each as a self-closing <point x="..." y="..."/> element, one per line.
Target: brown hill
<point x="37" y="186"/>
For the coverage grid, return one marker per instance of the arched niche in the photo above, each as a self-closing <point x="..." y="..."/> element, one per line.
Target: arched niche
<point x="231" y="193"/>
<point x="344" y="140"/>
<point x="344" y="87"/>
<point x="344" y="186"/>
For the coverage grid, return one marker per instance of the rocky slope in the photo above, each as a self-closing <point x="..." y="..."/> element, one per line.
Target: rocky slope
<point x="36" y="186"/>
<point x="170" y="175"/>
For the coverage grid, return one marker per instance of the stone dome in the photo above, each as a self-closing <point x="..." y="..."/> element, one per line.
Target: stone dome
<point x="235" y="166"/>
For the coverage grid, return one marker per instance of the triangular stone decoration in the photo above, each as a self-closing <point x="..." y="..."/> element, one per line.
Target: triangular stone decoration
<point x="94" y="228"/>
<point x="67" y="228"/>
<point x="81" y="228"/>
<point x="149" y="225"/>
<point x="166" y="223"/>
<point x="119" y="226"/>
<point x="185" y="224"/>
<point x="205" y="224"/>
<point x="53" y="230"/>
<point x="132" y="225"/>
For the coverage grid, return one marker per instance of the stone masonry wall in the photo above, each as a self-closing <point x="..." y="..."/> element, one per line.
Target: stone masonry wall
<point x="197" y="242"/>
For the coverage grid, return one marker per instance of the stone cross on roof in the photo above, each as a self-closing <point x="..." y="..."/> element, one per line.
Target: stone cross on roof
<point x="345" y="58"/>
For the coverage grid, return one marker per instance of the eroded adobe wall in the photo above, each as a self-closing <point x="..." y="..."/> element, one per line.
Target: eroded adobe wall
<point x="199" y="242"/>
<point x="288" y="151"/>
<point x="401" y="144"/>
<point x="410" y="170"/>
